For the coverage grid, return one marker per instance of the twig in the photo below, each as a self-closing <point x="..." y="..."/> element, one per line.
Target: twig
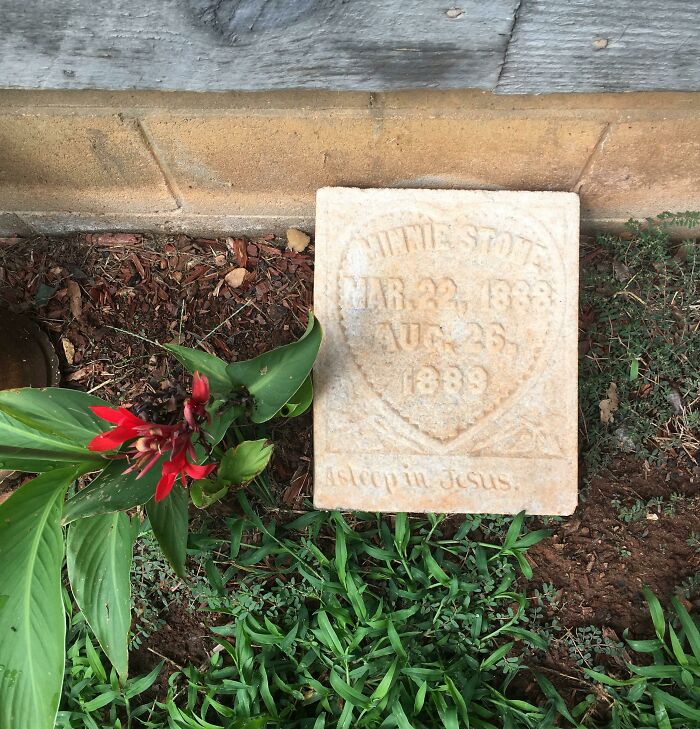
<point x="221" y="323"/>
<point x="137" y="336"/>
<point x="165" y="658"/>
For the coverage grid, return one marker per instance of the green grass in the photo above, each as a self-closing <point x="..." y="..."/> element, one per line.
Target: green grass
<point x="382" y="621"/>
<point x="663" y="692"/>
<point x="640" y="300"/>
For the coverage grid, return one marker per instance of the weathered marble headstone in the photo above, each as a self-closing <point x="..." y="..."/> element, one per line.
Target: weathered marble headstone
<point x="447" y="378"/>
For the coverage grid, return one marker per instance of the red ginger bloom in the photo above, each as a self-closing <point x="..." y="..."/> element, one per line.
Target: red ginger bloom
<point x="195" y="406"/>
<point x="152" y="440"/>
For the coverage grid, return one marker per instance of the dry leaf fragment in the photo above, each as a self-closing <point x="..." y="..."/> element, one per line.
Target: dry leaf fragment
<point x="297" y="240"/>
<point x="235" y="277"/>
<point x="75" y="298"/>
<point x="238" y="247"/>
<point x="68" y="350"/>
<point x="609" y="405"/>
<point x="675" y="401"/>
<point x="621" y="271"/>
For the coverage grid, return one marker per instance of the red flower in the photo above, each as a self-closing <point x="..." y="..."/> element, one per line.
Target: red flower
<point x="195" y="406"/>
<point x="129" y="426"/>
<point x="178" y="465"/>
<point x="153" y="440"/>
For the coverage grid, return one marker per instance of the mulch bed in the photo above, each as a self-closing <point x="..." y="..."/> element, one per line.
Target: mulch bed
<point x="106" y="299"/>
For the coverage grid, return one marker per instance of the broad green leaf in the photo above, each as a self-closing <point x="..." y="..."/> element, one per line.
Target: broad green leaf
<point x="634" y="369"/>
<point x="528" y="636"/>
<point x="676" y="647"/>
<point x="341" y="555"/>
<point x="399" y="714"/>
<point x="57" y="411"/>
<point x="457" y="698"/>
<point x="301" y="401"/>
<point x="656" y="612"/>
<point x="113" y="490"/>
<point x="657" y="671"/>
<point x="41" y="429"/>
<point x="436" y="572"/>
<point x="496" y="656"/>
<point x="32" y="618"/>
<point x="221" y="421"/>
<point x="98" y="555"/>
<point x="195" y="360"/>
<point x="244" y="462"/>
<point x="347" y="692"/>
<point x="385" y="684"/>
<point x="420" y="698"/>
<point x="514" y="530"/>
<point x="395" y="640"/>
<point x="608" y="680"/>
<point x="660" y="713"/>
<point x="169" y="522"/>
<point x="554" y="697"/>
<point x="532" y="538"/>
<point x="692" y="631"/>
<point x="138" y="685"/>
<point x="327" y="634"/>
<point x="205" y="492"/>
<point x="274" y="377"/>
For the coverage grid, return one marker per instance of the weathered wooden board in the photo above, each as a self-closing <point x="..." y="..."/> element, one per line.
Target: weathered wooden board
<point x="531" y="46"/>
<point x="603" y="45"/>
<point x="217" y="45"/>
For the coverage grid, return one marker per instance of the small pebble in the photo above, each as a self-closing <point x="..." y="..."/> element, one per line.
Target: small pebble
<point x="297" y="240"/>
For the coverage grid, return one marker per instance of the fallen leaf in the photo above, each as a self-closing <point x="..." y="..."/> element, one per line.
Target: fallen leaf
<point x="79" y="374"/>
<point x="297" y="240"/>
<point x="609" y="405"/>
<point x="624" y="441"/>
<point x="237" y="246"/>
<point x="675" y="401"/>
<point x="621" y="271"/>
<point x="235" y="277"/>
<point x="68" y="350"/>
<point x="75" y="298"/>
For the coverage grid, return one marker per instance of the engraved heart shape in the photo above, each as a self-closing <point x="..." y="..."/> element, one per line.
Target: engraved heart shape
<point x="449" y="321"/>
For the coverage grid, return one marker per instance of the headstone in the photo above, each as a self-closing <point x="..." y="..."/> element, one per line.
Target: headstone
<point x="447" y="377"/>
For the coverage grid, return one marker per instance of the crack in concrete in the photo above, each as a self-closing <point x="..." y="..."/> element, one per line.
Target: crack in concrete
<point x="602" y="139"/>
<point x="168" y="179"/>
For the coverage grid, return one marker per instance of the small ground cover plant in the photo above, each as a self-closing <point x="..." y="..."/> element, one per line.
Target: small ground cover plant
<point x="64" y="435"/>
<point x="639" y="376"/>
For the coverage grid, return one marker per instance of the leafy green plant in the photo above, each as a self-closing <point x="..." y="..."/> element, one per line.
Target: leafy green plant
<point x="93" y="695"/>
<point x="639" y="296"/>
<point x="366" y="621"/>
<point x="60" y="434"/>
<point x="664" y="692"/>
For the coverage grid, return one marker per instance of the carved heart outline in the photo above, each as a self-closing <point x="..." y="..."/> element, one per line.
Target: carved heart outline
<point x="524" y="222"/>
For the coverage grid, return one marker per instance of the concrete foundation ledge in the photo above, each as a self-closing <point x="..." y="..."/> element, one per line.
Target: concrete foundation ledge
<point x="248" y="162"/>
